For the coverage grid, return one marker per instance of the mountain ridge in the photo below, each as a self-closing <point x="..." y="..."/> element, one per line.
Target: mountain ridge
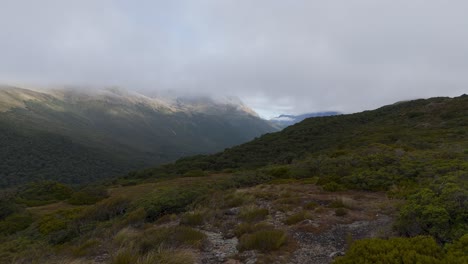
<point x="123" y="128"/>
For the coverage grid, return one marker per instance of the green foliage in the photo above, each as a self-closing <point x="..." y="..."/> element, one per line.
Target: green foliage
<point x="35" y="194"/>
<point x="333" y="187"/>
<point x="59" y="220"/>
<point x="297" y="217"/>
<point x="263" y="240"/>
<point x="193" y="218"/>
<point x="404" y="250"/>
<point x="248" y="228"/>
<point x="442" y="214"/>
<point x="311" y="205"/>
<point x="171" y="200"/>
<point x="8" y="207"/>
<point x="107" y="209"/>
<point x="252" y="214"/>
<point x="136" y="217"/>
<point x="172" y="237"/>
<point x="89" y="195"/>
<point x="14" y="223"/>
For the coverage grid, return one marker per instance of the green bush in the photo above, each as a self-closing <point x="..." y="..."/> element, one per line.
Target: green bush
<point x="58" y="220"/>
<point x="263" y="240"/>
<point x="173" y="237"/>
<point x="394" y="250"/>
<point x="107" y="209"/>
<point x="87" y="196"/>
<point x="41" y="193"/>
<point x="171" y="200"/>
<point x="14" y="223"/>
<point x="252" y="214"/>
<point x="311" y="205"/>
<point x="333" y="187"/>
<point x="193" y="218"/>
<point x="297" y="217"/>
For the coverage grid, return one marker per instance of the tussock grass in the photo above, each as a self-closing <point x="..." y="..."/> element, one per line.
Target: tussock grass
<point x="263" y="240"/>
<point x="253" y="213"/>
<point x="297" y="217"/>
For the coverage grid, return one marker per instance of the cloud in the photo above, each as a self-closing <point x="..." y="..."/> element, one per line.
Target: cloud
<point x="278" y="56"/>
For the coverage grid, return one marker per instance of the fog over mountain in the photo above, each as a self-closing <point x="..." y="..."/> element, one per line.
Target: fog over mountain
<point x="277" y="56"/>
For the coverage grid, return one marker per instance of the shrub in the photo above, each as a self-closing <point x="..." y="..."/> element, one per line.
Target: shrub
<point x="107" y="209"/>
<point x="171" y="200"/>
<point x="263" y="240"/>
<point x="87" y="196"/>
<point x="297" y="217"/>
<point x="394" y="250"/>
<point x="333" y="187"/>
<point x="248" y="228"/>
<point x="174" y="237"/>
<point x="85" y="248"/>
<point x="168" y="257"/>
<point x="251" y="214"/>
<point x="340" y="212"/>
<point x="311" y="205"/>
<point x="195" y="173"/>
<point x="125" y="256"/>
<point x="192" y="218"/>
<point x="43" y="193"/>
<point x="15" y="223"/>
<point x="136" y="217"/>
<point x="58" y="220"/>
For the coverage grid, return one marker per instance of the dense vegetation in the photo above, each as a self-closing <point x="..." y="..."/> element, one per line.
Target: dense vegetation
<point x="81" y="138"/>
<point x="416" y="152"/>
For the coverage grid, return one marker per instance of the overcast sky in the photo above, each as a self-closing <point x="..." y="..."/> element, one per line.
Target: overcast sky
<point x="278" y="56"/>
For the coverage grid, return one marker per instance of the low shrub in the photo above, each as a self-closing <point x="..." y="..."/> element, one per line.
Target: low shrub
<point x="394" y="250"/>
<point x="15" y="223"/>
<point x="263" y="240"/>
<point x="136" y="217"/>
<point x="252" y="214"/>
<point x="193" y="219"/>
<point x="297" y="217"/>
<point x="341" y="212"/>
<point x="171" y="237"/>
<point x="107" y="209"/>
<point x="333" y="187"/>
<point x="311" y="205"/>
<point x="248" y="228"/>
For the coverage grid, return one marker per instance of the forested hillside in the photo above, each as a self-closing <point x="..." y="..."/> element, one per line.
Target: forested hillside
<point x="76" y="136"/>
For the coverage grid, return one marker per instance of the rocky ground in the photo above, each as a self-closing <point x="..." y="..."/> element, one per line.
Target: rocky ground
<point x="319" y="238"/>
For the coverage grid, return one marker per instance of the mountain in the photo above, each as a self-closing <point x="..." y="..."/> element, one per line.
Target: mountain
<point x="283" y="121"/>
<point x="355" y="185"/>
<point x="78" y="135"/>
<point x="420" y="124"/>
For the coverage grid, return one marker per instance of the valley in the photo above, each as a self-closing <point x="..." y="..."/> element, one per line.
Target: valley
<point x="349" y="188"/>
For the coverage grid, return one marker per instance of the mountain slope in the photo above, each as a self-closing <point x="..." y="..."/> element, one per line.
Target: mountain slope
<point x="77" y="135"/>
<point x="421" y="124"/>
<point x="283" y="121"/>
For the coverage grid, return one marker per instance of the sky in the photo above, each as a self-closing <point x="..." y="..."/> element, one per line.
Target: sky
<point x="278" y="56"/>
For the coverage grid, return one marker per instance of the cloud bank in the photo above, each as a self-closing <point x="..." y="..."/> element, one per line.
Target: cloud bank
<point x="278" y="56"/>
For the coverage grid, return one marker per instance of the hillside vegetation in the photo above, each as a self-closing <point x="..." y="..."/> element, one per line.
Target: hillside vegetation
<point x="396" y="177"/>
<point x="76" y="136"/>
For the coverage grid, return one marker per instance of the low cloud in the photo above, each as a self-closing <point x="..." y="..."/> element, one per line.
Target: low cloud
<point x="278" y="56"/>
